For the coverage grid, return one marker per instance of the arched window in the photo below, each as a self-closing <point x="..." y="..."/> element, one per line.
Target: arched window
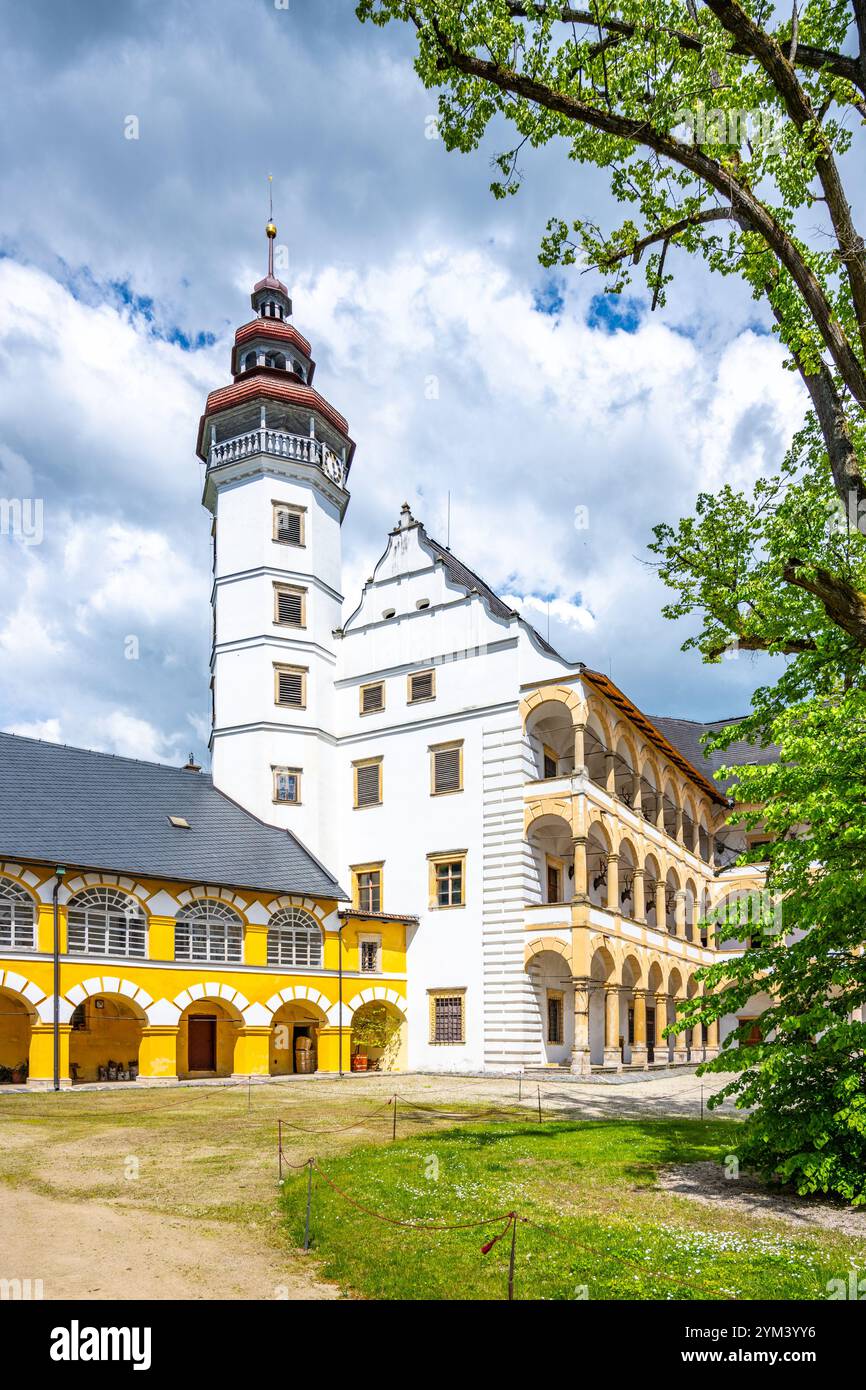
<point x="17" y="917"/>
<point x="208" y="930"/>
<point x="105" y="922"/>
<point x="275" y="359"/>
<point x="294" y="938"/>
<point x="251" y="360"/>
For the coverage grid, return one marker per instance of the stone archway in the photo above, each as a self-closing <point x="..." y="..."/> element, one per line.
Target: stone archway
<point x="379" y="1035"/>
<point x="549" y="970"/>
<point x="17" y="1017"/>
<point x="105" y="1037"/>
<point x="294" y="1047"/>
<point x="208" y="1030"/>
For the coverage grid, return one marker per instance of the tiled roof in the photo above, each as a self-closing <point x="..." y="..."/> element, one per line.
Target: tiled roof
<point x="270" y="385"/>
<point x="686" y="734"/>
<point x="273" y="328"/>
<point x="90" y="810"/>
<point x="461" y="574"/>
<point x="657" y="735"/>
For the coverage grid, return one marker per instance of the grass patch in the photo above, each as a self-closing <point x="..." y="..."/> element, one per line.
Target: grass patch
<point x="596" y="1225"/>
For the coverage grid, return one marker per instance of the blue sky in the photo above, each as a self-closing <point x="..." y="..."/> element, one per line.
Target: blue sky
<point x="125" y="266"/>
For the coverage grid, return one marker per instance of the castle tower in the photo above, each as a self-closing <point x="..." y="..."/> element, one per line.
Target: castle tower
<point x="278" y="458"/>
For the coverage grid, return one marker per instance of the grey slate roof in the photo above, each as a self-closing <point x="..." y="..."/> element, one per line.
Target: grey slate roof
<point x="686" y="734"/>
<point x="461" y="574"/>
<point x="97" y="811"/>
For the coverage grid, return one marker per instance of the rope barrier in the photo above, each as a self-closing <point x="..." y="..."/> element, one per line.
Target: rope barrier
<point x="510" y="1220"/>
<point x="341" y="1129"/>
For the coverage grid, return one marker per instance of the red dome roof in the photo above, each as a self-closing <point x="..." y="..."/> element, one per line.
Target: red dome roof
<point x="269" y="385"/>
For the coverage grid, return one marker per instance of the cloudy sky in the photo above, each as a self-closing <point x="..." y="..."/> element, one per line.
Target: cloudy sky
<point x="126" y="264"/>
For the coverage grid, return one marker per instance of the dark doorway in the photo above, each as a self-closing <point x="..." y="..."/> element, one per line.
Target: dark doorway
<point x="651" y="1035"/>
<point x="202" y="1043"/>
<point x="304" y="1047"/>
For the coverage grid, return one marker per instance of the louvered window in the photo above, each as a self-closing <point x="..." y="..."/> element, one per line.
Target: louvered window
<point x="289" y="606"/>
<point x="209" y="930"/>
<point x="288" y="525"/>
<point x="421" y="687"/>
<point x="17" y="917"/>
<point x="368" y="784"/>
<point x="105" y="922"/>
<point x="290" y="686"/>
<point x="372" y="697"/>
<point x="447" y="769"/>
<point x="294" y="938"/>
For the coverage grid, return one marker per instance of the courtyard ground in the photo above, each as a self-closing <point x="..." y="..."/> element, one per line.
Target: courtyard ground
<point x="134" y="1192"/>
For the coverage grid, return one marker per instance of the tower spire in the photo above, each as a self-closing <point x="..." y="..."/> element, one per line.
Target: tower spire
<point x="271" y="229"/>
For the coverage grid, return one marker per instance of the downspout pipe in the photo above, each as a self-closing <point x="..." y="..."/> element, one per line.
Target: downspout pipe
<point x="59" y="874"/>
<point x="340" y="994"/>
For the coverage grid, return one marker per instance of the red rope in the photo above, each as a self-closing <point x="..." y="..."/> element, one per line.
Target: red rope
<point x="414" y="1225"/>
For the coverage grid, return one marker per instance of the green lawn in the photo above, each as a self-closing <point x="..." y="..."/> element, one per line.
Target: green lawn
<point x="596" y="1225"/>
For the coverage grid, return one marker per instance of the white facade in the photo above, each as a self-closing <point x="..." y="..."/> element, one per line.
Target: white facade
<point x="271" y="442"/>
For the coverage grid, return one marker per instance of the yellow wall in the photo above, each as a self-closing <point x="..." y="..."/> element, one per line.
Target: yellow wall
<point x="112" y="1034"/>
<point x="162" y="1051"/>
<point x="14" y="1031"/>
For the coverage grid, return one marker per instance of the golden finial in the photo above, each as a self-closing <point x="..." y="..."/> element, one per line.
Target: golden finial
<point x="271" y="227"/>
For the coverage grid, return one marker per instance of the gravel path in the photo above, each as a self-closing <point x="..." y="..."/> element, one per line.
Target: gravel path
<point x="706" y="1183"/>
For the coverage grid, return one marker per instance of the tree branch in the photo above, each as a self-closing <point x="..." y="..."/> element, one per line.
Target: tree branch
<point x="860" y="17"/>
<point x="816" y="59"/>
<point x="674" y="229"/>
<point x="762" y="644"/>
<point x="843" y="604"/>
<point x="764" y="48"/>
<point x="689" y="157"/>
<point x="844" y="463"/>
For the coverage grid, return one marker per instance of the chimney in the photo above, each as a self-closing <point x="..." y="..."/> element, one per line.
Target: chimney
<point x="191" y="766"/>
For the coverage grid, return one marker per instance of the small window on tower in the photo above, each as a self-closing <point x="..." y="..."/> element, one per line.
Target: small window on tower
<point x="290" y="686"/>
<point x="421" y="687"/>
<point x="287" y="785"/>
<point x="372" y="697"/>
<point x="290" y="606"/>
<point x="550" y="762"/>
<point x="288" y="524"/>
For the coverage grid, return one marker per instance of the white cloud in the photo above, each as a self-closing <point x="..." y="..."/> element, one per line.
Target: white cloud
<point x="47" y="729"/>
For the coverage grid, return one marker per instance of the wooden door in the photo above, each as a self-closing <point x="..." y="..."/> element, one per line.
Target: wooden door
<point x="202" y="1043"/>
<point x="554" y="883"/>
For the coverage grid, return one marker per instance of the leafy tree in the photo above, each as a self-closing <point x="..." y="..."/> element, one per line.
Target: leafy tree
<point x="723" y="129"/>
<point x="726" y="130"/>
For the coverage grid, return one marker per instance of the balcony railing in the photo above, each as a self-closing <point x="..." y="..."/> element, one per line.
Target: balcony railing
<point x="280" y="444"/>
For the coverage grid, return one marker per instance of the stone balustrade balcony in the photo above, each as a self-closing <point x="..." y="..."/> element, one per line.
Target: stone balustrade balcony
<point x="280" y="444"/>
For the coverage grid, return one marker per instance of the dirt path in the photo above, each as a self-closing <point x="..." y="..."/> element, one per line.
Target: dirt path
<point x="91" y="1250"/>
